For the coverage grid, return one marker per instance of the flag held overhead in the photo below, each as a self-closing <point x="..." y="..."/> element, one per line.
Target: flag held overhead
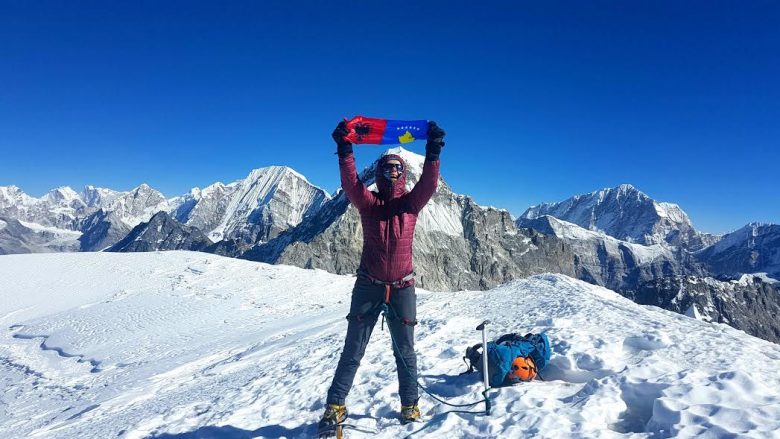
<point x="383" y="131"/>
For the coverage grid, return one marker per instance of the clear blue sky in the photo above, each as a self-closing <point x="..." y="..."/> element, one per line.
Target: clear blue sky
<point x="540" y="100"/>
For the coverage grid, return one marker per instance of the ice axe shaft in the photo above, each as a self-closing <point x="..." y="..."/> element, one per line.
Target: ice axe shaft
<point x="482" y="327"/>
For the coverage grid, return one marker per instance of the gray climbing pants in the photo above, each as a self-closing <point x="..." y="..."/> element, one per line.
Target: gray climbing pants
<point x="364" y="311"/>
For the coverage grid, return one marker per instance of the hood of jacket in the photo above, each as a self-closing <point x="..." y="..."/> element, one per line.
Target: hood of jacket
<point x="388" y="189"/>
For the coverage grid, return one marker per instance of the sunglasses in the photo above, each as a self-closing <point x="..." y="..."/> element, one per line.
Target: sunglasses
<point x="387" y="167"/>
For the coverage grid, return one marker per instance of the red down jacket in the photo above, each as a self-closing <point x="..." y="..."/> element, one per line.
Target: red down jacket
<point x="388" y="216"/>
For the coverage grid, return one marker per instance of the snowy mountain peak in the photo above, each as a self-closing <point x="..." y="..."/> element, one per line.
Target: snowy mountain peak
<point x="98" y="197"/>
<point x="626" y="213"/>
<point x="62" y="195"/>
<point x="7" y="191"/>
<point x="143" y="188"/>
<point x="213" y="188"/>
<point x="671" y="211"/>
<point x="138" y="205"/>
<point x="623" y="191"/>
<point x="274" y="172"/>
<point x="14" y="196"/>
<point x="267" y="201"/>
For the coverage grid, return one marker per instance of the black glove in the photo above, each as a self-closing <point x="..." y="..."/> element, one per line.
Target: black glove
<point x="435" y="141"/>
<point x="343" y="148"/>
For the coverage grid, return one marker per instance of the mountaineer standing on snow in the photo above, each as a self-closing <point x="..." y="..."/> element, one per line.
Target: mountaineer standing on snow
<point x="385" y="274"/>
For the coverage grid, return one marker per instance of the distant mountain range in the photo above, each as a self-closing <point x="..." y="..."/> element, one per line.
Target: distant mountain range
<point x="619" y="238"/>
<point x="268" y="201"/>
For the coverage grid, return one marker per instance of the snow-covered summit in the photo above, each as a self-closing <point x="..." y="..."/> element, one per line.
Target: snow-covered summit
<point x="138" y="205"/>
<point x="14" y="196"/>
<point x="267" y="201"/>
<point x="180" y="343"/>
<point x="627" y="214"/>
<point x="98" y="197"/>
<point x="64" y="196"/>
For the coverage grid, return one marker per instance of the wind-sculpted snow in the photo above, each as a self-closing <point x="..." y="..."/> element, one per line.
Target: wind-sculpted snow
<point x="184" y="344"/>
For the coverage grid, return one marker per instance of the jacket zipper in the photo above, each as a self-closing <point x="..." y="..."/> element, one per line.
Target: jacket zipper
<point x="387" y="231"/>
<point x="387" y="242"/>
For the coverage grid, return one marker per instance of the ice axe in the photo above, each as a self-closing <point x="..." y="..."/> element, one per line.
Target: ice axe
<point x="481" y="327"/>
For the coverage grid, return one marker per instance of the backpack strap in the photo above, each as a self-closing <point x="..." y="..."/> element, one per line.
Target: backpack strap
<point x="511" y="337"/>
<point x="471" y="358"/>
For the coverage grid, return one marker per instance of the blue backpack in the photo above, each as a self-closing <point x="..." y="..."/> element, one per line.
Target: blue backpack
<point x="503" y="352"/>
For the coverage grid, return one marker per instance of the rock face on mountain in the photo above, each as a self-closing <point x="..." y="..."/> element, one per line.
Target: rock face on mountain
<point x="750" y="303"/>
<point x="268" y="201"/>
<point x="458" y="244"/>
<point x="22" y="237"/>
<point x="161" y="233"/>
<point x="204" y="208"/>
<point x="138" y="205"/>
<point x="753" y="248"/>
<point x="627" y="214"/>
<point x="101" y="230"/>
<point x="607" y="261"/>
<point x="98" y="197"/>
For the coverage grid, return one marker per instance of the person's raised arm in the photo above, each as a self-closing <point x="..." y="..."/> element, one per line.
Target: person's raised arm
<point x="425" y="188"/>
<point x="356" y="191"/>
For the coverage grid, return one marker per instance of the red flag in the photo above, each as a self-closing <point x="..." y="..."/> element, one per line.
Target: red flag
<point x="383" y="131"/>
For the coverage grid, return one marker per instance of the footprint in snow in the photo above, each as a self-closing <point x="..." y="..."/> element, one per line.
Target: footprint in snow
<point x="649" y="341"/>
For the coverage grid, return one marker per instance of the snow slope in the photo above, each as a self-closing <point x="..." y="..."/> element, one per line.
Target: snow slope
<point x="185" y="344"/>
